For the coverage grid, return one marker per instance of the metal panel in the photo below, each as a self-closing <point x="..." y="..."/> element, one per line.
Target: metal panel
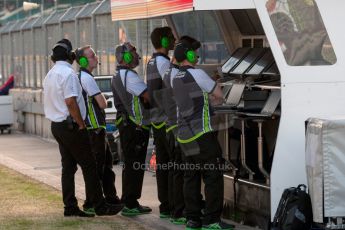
<point x="40" y="56"/>
<point x="86" y="12"/>
<point x="106" y="42"/>
<point x="55" y="17"/>
<point x="68" y="31"/>
<point x="104" y="8"/>
<point x="53" y="37"/>
<point x="71" y="14"/>
<point x="30" y="23"/>
<point x="19" y="69"/>
<point x="84" y="32"/>
<point x="39" y="22"/>
<point x="5" y="50"/>
<point x="18" y="25"/>
<point x="28" y="57"/>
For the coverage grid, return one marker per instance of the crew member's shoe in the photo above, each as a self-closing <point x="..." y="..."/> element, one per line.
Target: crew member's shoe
<point x="179" y="220"/>
<point x="139" y="210"/>
<point x="164" y="215"/>
<point x="108" y="209"/>
<point x="218" y="225"/>
<point x="193" y="225"/>
<point x="76" y="212"/>
<point x="89" y="210"/>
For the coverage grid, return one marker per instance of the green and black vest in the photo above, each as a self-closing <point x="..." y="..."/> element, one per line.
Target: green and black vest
<point x="155" y="86"/>
<point x="127" y="104"/>
<point x="95" y="115"/>
<point x="169" y="102"/>
<point x="193" y="104"/>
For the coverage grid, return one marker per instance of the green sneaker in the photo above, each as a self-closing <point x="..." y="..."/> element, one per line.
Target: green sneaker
<point x="218" y="225"/>
<point x="193" y="225"/>
<point x="179" y="221"/>
<point x="135" y="211"/>
<point x="164" y="215"/>
<point x="89" y="211"/>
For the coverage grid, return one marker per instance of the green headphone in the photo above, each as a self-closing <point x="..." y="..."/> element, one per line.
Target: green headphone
<point x="83" y="62"/>
<point x="81" y="59"/>
<point x="191" y="56"/>
<point x="165" y="42"/>
<point x="127" y="57"/>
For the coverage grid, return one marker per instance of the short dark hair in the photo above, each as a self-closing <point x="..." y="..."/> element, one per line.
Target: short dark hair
<point x="62" y="51"/>
<point x="190" y="40"/>
<point x="157" y="35"/>
<point x="180" y="51"/>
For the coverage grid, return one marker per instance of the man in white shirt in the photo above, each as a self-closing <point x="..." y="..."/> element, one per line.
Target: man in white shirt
<point x="65" y="107"/>
<point x="96" y="126"/>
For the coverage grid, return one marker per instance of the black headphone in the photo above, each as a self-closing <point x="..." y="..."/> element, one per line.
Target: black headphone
<point x="81" y="59"/>
<point x="69" y="53"/>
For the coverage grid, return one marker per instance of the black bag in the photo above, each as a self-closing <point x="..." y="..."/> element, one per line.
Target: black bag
<point x="294" y="211"/>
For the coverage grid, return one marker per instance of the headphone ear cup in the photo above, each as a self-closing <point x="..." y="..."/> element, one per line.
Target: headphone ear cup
<point x="165" y="42"/>
<point x="127" y="57"/>
<point x="191" y="56"/>
<point x="83" y="62"/>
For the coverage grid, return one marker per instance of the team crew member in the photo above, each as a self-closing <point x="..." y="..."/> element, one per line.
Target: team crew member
<point x="176" y="199"/>
<point x="162" y="40"/>
<point x="175" y="152"/>
<point x="65" y="107"/>
<point x="192" y="89"/>
<point x="95" y="122"/>
<point x="130" y="96"/>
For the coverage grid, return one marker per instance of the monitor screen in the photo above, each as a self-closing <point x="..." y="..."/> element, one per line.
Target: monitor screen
<point x="235" y="94"/>
<point x="272" y="102"/>
<point x="226" y="90"/>
<point x="272" y="70"/>
<point x="261" y="64"/>
<point x="254" y="54"/>
<point x="234" y="59"/>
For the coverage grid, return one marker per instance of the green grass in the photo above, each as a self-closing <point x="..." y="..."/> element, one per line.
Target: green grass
<point x="27" y="204"/>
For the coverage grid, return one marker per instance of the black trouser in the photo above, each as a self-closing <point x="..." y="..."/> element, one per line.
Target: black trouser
<point x="104" y="161"/>
<point x="134" y="141"/>
<point x="209" y="162"/>
<point x="75" y="149"/>
<point x="162" y="173"/>
<point x="176" y="198"/>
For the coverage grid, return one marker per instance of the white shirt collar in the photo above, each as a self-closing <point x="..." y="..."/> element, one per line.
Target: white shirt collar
<point x="63" y="63"/>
